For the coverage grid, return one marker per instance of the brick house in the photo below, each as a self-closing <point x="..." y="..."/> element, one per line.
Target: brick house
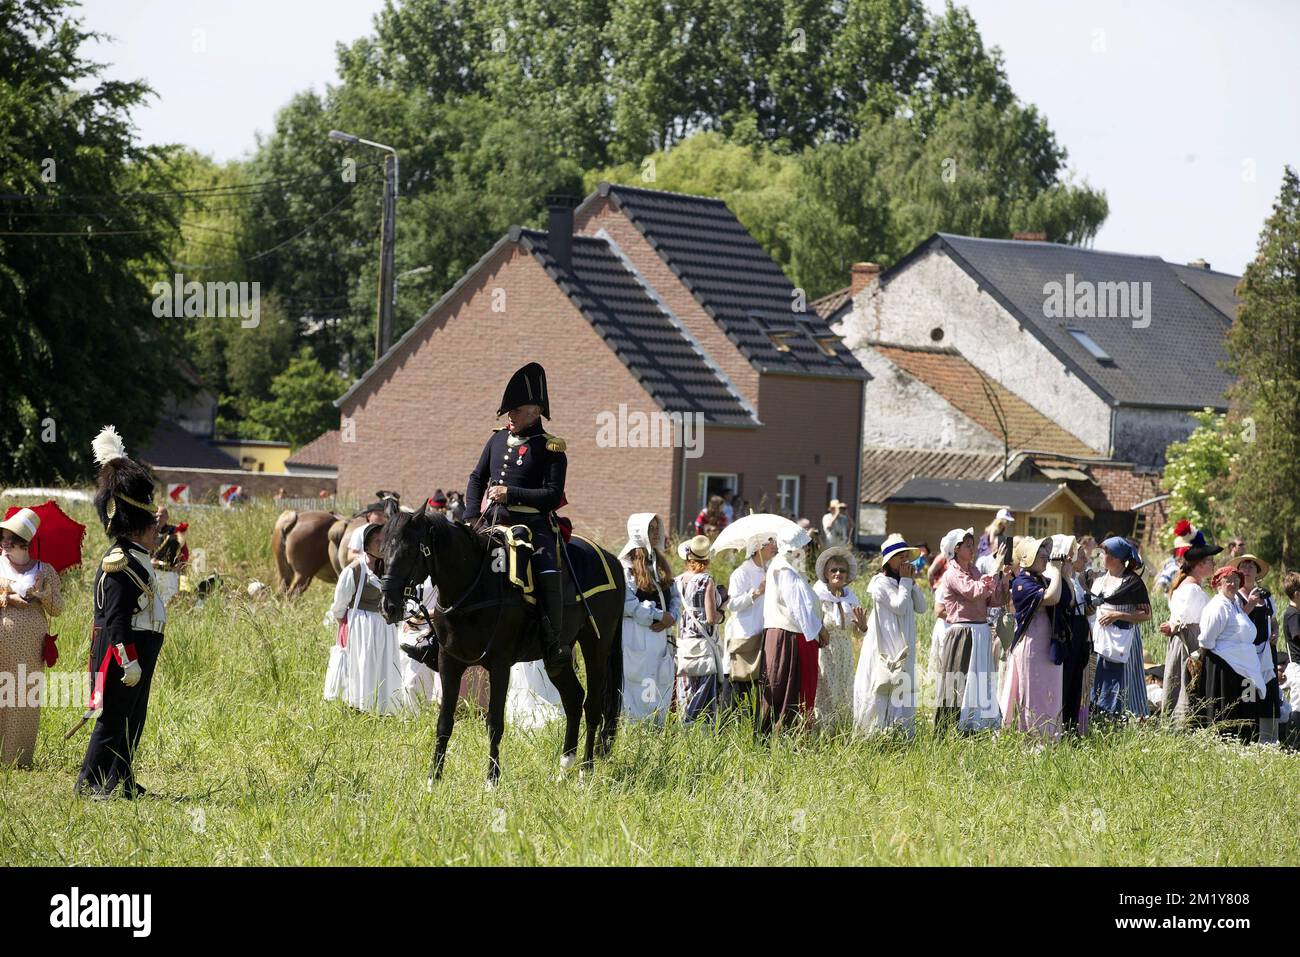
<point x="678" y="362"/>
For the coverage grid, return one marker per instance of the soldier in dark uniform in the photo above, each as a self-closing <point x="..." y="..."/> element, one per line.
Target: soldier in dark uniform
<point x="128" y="621"/>
<point x="519" y="480"/>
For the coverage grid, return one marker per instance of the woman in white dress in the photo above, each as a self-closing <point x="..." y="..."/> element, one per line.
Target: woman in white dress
<point x="1236" y="684"/>
<point x="420" y="683"/>
<point x="651" y="607"/>
<point x="939" y="631"/>
<point x="366" y="672"/>
<point x="844" y="617"/>
<point x="884" y="690"/>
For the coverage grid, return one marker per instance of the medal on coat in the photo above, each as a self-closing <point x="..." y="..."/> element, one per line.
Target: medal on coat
<point x="522" y="449"/>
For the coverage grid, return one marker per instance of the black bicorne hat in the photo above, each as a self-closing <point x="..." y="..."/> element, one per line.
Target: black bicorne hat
<point x="1197" y="552"/>
<point x="526" y="387"/>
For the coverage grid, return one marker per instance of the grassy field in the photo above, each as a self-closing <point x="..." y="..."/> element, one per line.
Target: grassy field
<point x="247" y="765"/>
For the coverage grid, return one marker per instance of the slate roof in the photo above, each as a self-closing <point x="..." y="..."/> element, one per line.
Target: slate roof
<point x="1219" y="289"/>
<point x="1172" y="363"/>
<point x="640" y="332"/>
<point x="734" y="280"/>
<point x="886" y="470"/>
<point x="172" y="447"/>
<point x="675" y="373"/>
<point x="948" y="373"/>
<point x="320" y="452"/>
<point x="1017" y="496"/>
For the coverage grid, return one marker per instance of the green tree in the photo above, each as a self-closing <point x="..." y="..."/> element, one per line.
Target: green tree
<point x="301" y="405"/>
<point x="83" y="235"/>
<point x="1197" y="476"/>
<point x="1264" y="353"/>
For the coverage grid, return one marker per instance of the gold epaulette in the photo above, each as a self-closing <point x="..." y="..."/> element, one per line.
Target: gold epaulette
<point x="498" y="428"/>
<point x="114" y="559"/>
<point x="554" y="443"/>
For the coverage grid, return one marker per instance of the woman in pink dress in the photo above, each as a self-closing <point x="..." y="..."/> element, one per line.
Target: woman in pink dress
<point x="1032" y="687"/>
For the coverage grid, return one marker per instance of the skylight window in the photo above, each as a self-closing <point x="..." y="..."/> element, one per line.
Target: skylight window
<point x="1089" y="343"/>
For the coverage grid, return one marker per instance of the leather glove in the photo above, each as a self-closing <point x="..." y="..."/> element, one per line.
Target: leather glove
<point x="131" y="674"/>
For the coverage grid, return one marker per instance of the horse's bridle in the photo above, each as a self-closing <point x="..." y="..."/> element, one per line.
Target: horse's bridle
<point x="415" y="592"/>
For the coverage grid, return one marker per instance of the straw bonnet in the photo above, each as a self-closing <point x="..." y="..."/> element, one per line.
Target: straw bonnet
<point x="837" y="551"/>
<point x="695" y="549"/>
<point x="1026" y="550"/>
<point x="1248" y="557"/>
<point x="895" y="545"/>
<point x="23" y="523"/>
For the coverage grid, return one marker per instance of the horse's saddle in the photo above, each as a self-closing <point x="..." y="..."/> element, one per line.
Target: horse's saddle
<point x="511" y="548"/>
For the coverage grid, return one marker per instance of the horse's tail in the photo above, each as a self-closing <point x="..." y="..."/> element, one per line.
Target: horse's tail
<point x="284" y="524"/>
<point x="334" y="537"/>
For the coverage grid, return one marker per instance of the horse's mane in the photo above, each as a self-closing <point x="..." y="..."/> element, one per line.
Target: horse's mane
<point x="437" y="523"/>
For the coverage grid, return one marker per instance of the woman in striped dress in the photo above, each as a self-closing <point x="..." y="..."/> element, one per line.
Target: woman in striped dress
<point x="1122" y="604"/>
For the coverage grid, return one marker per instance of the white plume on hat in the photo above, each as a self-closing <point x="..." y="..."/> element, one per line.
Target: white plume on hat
<point x="107" y="446"/>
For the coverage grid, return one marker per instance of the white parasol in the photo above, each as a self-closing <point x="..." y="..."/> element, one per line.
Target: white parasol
<point x="743" y="530"/>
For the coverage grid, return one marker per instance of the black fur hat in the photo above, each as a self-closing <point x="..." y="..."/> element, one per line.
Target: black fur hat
<point x="526" y="387"/>
<point x="124" y="495"/>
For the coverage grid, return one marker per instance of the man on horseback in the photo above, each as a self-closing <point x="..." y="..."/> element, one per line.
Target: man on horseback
<point x="519" y="480"/>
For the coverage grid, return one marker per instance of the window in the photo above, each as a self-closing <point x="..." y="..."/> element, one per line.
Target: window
<point x="832" y="488"/>
<point x="778" y="340"/>
<point x="1043" y="525"/>
<point x="1094" y="350"/>
<point x="787" y="495"/>
<point x="715" y="483"/>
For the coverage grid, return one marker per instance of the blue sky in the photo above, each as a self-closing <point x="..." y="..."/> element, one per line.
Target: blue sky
<point x="1184" y="113"/>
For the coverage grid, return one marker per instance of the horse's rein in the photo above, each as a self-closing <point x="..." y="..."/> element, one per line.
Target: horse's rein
<point x="431" y="567"/>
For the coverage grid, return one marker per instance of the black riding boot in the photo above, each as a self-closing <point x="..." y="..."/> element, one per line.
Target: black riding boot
<point x="550" y="594"/>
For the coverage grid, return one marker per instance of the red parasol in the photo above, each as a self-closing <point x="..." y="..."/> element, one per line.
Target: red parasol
<point x="58" y="540"/>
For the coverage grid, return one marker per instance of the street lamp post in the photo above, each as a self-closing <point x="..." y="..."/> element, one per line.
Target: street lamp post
<point x="388" y="239"/>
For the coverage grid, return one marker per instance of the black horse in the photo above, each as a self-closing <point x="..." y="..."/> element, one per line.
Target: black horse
<point x="482" y="619"/>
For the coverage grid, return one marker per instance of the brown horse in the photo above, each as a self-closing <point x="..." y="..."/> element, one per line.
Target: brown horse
<point x="306" y="546"/>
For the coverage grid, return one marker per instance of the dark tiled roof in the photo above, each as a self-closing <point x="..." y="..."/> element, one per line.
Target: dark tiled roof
<point x="734" y="280"/>
<point x="1219" y="289"/>
<point x="1017" y="496"/>
<point x="830" y="306"/>
<point x="886" y="470"/>
<point x="948" y="373"/>
<point x="641" y="333"/>
<point x="320" y="452"/>
<point x="172" y="447"/>
<point x="1174" y="362"/>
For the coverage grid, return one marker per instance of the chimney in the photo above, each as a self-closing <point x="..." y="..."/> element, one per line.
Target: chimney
<point x="1199" y="264"/>
<point x="863" y="275"/>
<point x="1030" y="237"/>
<point x="559" y="236"/>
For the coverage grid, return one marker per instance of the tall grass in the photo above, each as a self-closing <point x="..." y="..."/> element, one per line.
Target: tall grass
<point x="247" y="765"/>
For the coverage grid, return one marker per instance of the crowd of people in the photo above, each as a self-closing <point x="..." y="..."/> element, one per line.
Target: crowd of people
<point x="1041" y="635"/>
